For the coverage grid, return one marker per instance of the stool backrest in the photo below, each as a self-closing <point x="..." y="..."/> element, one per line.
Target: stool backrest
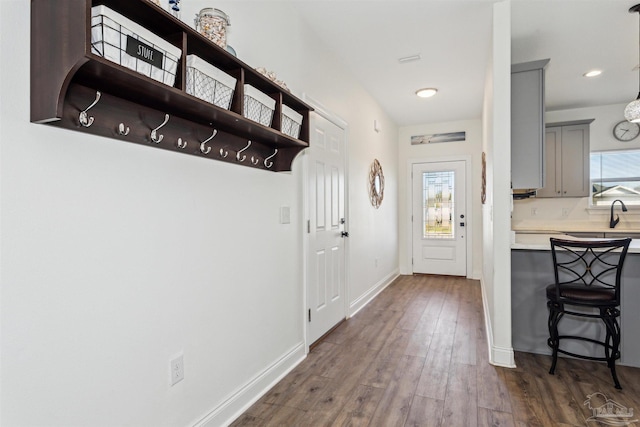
<point x="594" y="264"/>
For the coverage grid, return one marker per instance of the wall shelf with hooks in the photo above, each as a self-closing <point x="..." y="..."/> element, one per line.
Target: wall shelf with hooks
<point x="73" y="88"/>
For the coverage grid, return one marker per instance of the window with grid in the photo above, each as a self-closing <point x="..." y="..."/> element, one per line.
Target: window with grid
<point x="615" y="175"/>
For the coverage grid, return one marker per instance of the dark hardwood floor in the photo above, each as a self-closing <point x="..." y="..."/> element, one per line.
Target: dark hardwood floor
<point x="417" y="356"/>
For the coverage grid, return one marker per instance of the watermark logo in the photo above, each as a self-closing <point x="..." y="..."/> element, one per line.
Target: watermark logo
<point x="607" y="411"/>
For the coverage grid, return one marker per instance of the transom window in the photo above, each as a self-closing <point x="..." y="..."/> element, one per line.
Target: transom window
<point x="615" y="175"/>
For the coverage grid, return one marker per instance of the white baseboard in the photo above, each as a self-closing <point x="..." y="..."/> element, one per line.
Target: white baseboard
<point x="368" y="296"/>
<point x="502" y="356"/>
<point x="239" y="401"/>
<point x="498" y="356"/>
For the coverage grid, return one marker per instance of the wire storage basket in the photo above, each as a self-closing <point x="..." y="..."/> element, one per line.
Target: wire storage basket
<point x="126" y="43"/>
<point x="258" y="106"/>
<point x="208" y="83"/>
<point x="291" y="121"/>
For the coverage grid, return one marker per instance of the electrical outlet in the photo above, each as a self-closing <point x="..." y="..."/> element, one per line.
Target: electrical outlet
<point x="534" y="211"/>
<point x="376" y="262"/>
<point x="177" y="369"/>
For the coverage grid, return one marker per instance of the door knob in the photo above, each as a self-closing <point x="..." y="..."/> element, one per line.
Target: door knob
<point x="344" y="234"/>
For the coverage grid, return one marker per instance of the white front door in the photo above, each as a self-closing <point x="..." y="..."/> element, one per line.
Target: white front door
<point x="326" y="264"/>
<point x="439" y="218"/>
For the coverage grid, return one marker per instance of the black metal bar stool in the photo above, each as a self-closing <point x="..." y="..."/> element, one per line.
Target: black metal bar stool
<point x="587" y="278"/>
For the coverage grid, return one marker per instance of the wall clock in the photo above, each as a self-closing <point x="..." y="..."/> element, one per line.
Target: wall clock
<point x="626" y="131"/>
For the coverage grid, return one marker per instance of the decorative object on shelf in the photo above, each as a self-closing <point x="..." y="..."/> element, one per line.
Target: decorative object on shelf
<point x="174" y="8"/>
<point x="271" y="75"/>
<point x="632" y="110"/>
<point x="212" y="23"/>
<point x="626" y="131"/>
<point x="120" y="40"/>
<point x="376" y="184"/>
<point x="232" y="51"/>
<point x="483" y="191"/>
<point x="438" y="137"/>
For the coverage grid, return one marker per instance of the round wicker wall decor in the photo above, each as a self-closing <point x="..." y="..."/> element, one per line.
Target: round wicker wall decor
<point x="376" y="184"/>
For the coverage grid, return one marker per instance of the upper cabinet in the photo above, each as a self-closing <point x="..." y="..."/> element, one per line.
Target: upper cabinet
<point x="527" y="124"/>
<point x="567" y="160"/>
<point x="75" y="86"/>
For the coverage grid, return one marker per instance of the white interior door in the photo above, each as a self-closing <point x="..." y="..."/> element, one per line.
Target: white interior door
<point x="326" y="274"/>
<point x="439" y="218"/>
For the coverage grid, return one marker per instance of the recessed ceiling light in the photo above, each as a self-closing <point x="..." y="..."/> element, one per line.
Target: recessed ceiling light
<point x="592" y="73"/>
<point x="426" y="92"/>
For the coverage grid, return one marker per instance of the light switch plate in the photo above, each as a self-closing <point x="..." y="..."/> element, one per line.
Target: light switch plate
<point x="285" y="215"/>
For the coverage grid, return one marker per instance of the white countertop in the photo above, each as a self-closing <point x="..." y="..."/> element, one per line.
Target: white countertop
<point x="540" y="241"/>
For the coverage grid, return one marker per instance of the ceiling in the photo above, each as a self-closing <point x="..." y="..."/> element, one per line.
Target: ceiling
<point x="453" y="39"/>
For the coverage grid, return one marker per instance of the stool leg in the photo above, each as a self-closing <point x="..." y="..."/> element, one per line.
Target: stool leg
<point x="612" y="342"/>
<point x="553" y="342"/>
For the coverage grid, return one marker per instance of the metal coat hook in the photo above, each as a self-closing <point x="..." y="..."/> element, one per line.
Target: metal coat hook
<point x="181" y="143"/>
<point x="267" y="163"/>
<point x="255" y="160"/>
<point x="207" y="150"/>
<point x="154" y="133"/>
<point x="123" y="130"/>
<point x="244" y="157"/>
<point x="224" y="153"/>
<point x="84" y="118"/>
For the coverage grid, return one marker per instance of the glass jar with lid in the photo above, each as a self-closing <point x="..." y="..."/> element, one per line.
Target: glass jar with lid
<point x="212" y="23"/>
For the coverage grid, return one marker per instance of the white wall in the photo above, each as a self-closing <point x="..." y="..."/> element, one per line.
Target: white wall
<point x="116" y="257"/>
<point x="471" y="147"/>
<point x="600" y="139"/>
<point x="496" y="281"/>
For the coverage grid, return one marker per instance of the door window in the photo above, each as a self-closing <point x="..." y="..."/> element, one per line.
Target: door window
<point x="438" y="207"/>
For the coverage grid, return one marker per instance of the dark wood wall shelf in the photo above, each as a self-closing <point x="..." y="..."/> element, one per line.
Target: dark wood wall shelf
<point x="66" y="75"/>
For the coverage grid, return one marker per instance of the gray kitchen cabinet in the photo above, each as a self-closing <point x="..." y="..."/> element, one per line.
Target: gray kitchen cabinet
<point x="531" y="272"/>
<point x="567" y="160"/>
<point x="527" y="124"/>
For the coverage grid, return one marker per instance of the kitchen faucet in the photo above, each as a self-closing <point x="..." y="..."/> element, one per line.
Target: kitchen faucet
<point x="612" y="222"/>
